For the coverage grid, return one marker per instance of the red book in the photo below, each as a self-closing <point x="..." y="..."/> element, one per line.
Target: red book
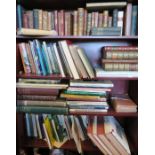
<point x="56" y="20"/>
<point x="36" y="91"/>
<point x="25" y="21"/>
<point x="121" y="48"/>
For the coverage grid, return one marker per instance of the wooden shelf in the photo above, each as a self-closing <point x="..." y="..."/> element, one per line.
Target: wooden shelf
<point x="79" y="37"/>
<point x="58" y="77"/>
<point x="69" y="145"/>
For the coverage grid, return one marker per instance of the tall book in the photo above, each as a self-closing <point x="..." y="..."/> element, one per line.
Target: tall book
<point x="45" y="20"/>
<point x="36" y="19"/>
<point x="61" y="23"/>
<point x="19" y="16"/>
<point x="75" y="23"/>
<point x="128" y="19"/>
<point x="40" y="18"/>
<point x="134" y="20"/>
<point x="115" y="17"/>
<point x="89" y="19"/>
<point x="120" y="20"/>
<point x="81" y="12"/>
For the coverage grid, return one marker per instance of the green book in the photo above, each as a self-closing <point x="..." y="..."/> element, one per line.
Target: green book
<point x="41" y="109"/>
<point x="85" y="93"/>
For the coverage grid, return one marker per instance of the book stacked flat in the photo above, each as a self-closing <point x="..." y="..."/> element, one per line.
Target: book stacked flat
<point x="62" y="59"/>
<point x="80" y="22"/>
<point x="40" y="96"/>
<point x="123" y="104"/>
<point x="107" y="134"/>
<point x="119" y="60"/>
<point x="87" y="96"/>
<point x="57" y="129"/>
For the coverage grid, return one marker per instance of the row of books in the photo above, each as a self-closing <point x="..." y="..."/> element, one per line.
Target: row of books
<point x="81" y="21"/>
<point x="105" y="132"/>
<point x="64" y="59"/>
<point x="120" y="58"/>
<point x="67" y="60"/>
<point x="79" y="97"/>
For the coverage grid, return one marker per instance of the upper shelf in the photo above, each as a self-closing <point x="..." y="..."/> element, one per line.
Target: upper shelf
<point x="80" y="37"/>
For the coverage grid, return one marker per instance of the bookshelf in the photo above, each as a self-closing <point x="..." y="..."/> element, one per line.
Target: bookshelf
<point x="92" y="45"/>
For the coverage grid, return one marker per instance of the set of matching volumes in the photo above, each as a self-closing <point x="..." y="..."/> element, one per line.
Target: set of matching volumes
<point x="120" y="58"/>
<point x="87" y="96"/>
<point x="57" y="129"/>
<point x="64" y="59"/>
<point x="108" y="135"/>
<point x="81" y="22"/>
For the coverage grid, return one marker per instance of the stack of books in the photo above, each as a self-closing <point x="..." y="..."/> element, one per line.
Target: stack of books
<point x="62" y="59"/>
<point x="82" y="22"/>
<point x="87" y="96"/>
<point x="57" y="129"/>
<point x="107" y="134"/>
<point x="119" y="60"/>
<point x="40" y="96"/>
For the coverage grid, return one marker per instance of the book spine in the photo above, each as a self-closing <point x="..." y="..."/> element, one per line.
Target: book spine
<point x="120" y="20"/>
<point x="38" y="47"/>
<point x="25" y="21"/>
<point x="121" y="48"/>
<point x="32" y="64"/>
<point x="36" y="18"/>
<point x="120" y="67"/>
<point x="85" y="23"/>
<point x="56" y="21"/>
<point x="67" y="23"/>
<point x="88" y="107"/>
<point x="34" y="91"/>
<point x="100" y="21"/>
<point x="40" y="18"/>
<point x="19" y="16"/>
<point x="134" y="20"/>
<point x="36" y="97"/>
<point x="80" y="21"/>
<point x="109" y="21"/>
<point x="96" y="19"/>
<point x="49" y="16"/>
<point x="45" y="20"/>
<point x="128" y="19"/>
<point x="120" y="55"/>
<point x="93" y="20"/>
<point x="52" y="21"/>
<point x="115" y="17"/>
<point x="40" y="110"/>
<point x="105" y="16"/>
<point x="61" y="23"/>
<point x="24" y="57"/>
<point x="28" y="127"/>
<point x="89" y="19"/>
<point x="30" y="19"/>
<point x="75" y="23"/>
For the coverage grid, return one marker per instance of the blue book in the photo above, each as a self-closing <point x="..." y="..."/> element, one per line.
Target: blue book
<point x="36" y="19"/>
<point x="41" y="121"/>
<point x="134" y="20"/>
<point x="115" y="17"/>
<point x="28" y="128"/>
<point x="45" y="60"/>
<point x="38" y="47"/>
<point x="31" y="125"/>
<point x="19" y="16"/>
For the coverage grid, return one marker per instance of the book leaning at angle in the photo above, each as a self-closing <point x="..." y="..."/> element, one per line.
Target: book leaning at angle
<point x="36" y="32"/>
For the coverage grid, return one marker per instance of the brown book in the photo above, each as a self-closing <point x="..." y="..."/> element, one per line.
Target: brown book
<point x="121" y="48"/>
<point x="105" y="18"/>
<point x="56" y="20"/>
<point x="30" y="19"/>
<point x="45" y="20"/>
<point x="81" y="12"/>
<point x="49" y="16"/>
<point x="120" y="67"/>
<point x="40" y="17"/>
<point x="36" y="97"/>
<point x="61" y="24"/>
<point x="100" y="20"/>
<point x="120" y="55"/>
<point x="25" y="21"/>
<point x="75" y="23"/>
<point x="119" y="61"/>
<point x="124" y="105"/>
<point x="85" y="23"/>
<point x="68" y="24"/>
<point x="32" y="64"/>
<point x="36" y="91"/>
<point x="89" y="22"/>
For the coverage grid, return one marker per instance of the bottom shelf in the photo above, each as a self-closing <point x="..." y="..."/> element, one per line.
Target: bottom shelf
<point x="70" y="145"/>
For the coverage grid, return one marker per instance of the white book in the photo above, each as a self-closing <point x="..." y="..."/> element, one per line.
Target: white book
<point x="120" y="20"/>
<point x="34" y="125"/>
<point x="59" y="60"/>
<point x="69" y="59"/>
<point x="38" y="126"/>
